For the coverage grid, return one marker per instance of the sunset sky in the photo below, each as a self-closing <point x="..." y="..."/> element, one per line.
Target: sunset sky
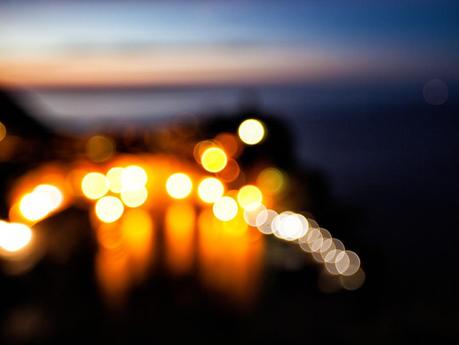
<point x="63" y="43"/>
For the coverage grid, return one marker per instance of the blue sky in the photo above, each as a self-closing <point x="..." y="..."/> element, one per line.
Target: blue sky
<point x="307" y="40"/>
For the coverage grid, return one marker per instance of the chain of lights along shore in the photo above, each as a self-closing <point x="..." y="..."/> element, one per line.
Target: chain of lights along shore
<point x="116" y="190"/>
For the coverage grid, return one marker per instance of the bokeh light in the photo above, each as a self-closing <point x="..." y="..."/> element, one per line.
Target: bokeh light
<point x="32" y="208"/>
<point x="201" y="146"/>
<point x="256" y="216"/>
<point x="251" y="131"/>
<point x="289" y="226"/>
<point x="214" y="159"/>
<point x="109" y="209"/>
<point x="179" y="185"/>
<point x="134" y="198"/>
<point x="51" y="193"/>
<point x="225" y="208"/>
<point x="94" y="185"/>
<point x="231" y="171"/>
<point x="14" y="236"/>
<point x="349" y="263"/>
<point x="341" y="261"/>
<point x="100" y="148"/>
<point x="333" y="259"/>
<point x="133" y="178"/>
<point x="2" y="131"/>
<point x="323" y="245"/>
<point x="312" y="241"/>
<point x="229" y="143"/>
<point x="114" y="179"/>
<point x="210" y="189"/>
<point x="249" y="197"/>
<point x="40" y="202"/>
<point x="271" y="181"/>
<point x="264" y="221"/>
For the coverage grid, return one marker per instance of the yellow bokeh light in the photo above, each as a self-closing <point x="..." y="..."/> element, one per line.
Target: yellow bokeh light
<point x="210" y="189"/>
<point x="2" y="131"/>
<point x="271" y="181"/>
<point x="133" y="177"/>
<point x="200" y="147"/>
<point x="114" y="179"/>
<point x="109" y="209"/>
<point x="214" y="159"/>
<point x="249" y="197"/>
<point x="32" y="208"/>
<point x="100" y="148"/>
<point x="94" y="185"/>
<point x="179" y="185"/>
<point x="51" y="193"/>
<point x="40" y="202"/>
<point x="134" y="198"/>
<point x="225" y="208"/>
<point x="14" y="236"/>
<point x="251" y="131"/>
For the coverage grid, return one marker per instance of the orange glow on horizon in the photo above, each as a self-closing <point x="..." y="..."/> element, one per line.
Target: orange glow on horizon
<point x="209" y="66"/>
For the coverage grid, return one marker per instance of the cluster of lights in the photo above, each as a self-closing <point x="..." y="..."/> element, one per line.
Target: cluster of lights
<point x="40" y="202"/>
<point x="127" y="183"/>
<point x="126" y="186"/>
<point x="288" y="225"/>
<point x="311" y="238"/>
<point x="35" y="205"/>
